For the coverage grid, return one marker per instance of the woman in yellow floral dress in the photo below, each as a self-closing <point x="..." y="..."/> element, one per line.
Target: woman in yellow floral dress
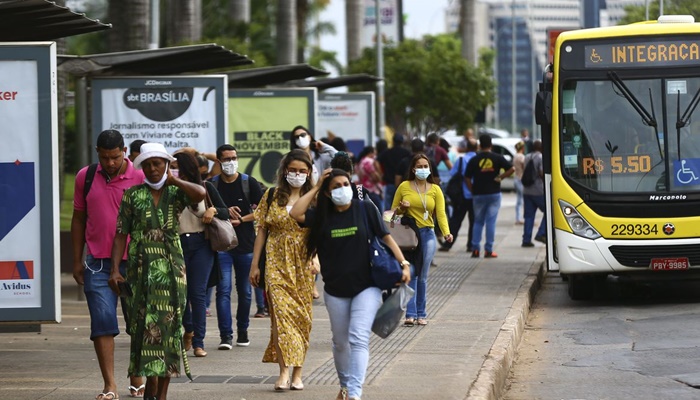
<point x="288" y="276"/>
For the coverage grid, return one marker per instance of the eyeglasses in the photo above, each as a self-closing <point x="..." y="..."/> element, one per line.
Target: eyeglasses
<point x="297" y="173"/>
<point x="300" y="135"/>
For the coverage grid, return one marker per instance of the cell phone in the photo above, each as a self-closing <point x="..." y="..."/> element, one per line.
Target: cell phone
<point x="125" y="289"/>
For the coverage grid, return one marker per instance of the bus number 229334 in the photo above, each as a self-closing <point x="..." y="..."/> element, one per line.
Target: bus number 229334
<point x="633" y="229"/>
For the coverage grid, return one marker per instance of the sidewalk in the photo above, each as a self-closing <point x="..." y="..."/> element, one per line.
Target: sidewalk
<point x="476" y="308"/>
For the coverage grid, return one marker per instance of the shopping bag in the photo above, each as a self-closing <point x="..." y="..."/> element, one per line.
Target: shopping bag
<point x="392" y="311"/>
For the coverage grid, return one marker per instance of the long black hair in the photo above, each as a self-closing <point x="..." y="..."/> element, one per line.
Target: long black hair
<point x="324" y="208"/>
<point x="188" y="167"/>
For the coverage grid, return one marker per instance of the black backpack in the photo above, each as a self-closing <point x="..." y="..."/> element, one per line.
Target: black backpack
<point x="454" y="185"/>
<point x="530" y="174"/>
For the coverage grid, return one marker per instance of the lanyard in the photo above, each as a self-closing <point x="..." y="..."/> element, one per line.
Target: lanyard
<point x="423" y="199"/>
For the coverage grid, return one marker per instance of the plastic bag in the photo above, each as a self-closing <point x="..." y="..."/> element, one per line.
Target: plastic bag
<point x="392" y="311"/>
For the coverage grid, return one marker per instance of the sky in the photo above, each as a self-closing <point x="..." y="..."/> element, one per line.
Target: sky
<point x="422" y="17"/>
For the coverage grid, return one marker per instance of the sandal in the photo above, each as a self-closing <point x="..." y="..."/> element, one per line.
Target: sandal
<point x="409" y="322"/>
<point x="107" y="396"/>
<point x="422" y="322"/>
<point x="137" y="391"/>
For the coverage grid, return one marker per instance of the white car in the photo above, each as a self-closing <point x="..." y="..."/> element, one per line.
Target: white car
<point x="506" y="147"/>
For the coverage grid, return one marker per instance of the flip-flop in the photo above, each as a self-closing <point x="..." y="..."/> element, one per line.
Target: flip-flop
<point x="107" y="396"/>
<point x="137" y="391"/>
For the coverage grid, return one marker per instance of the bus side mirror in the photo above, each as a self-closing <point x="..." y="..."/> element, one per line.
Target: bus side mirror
<point x="543" y="108"/>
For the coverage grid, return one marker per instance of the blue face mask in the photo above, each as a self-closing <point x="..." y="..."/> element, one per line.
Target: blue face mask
<point x="422" y="173"/>
<point x="341" y="196"/>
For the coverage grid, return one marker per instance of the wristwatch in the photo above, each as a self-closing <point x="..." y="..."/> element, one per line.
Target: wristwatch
<point x="405" y="263"/>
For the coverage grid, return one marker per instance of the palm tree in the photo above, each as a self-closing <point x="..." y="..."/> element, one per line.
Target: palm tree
<point x="130" y="25"/>
<point x="240" y="10"/>
<point x="354" y="12"/>
<point x="184" y="21"/>
<point x="286" y="32"/>
<point x="467" y="30"/>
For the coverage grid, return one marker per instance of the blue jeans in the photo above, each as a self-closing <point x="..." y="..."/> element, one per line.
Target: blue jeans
<point x="240" y="265"/>
<point x="486" y="208"/>
<point x="101" y="299"/>
<point x="351" y="323"/>
<point x="518" y="199"/>
<point x="532" y="203"/>
<point x="199" y="262"/>
<point x="389" y="191"/>
<point x="416" y="306"/>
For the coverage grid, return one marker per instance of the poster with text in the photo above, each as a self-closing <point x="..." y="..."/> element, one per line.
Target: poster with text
<point x="178" y="111"/>
<point x="261" y="122"/>
<point x="29" y="270"/>
<point x="389" y="17"/>
<point x="349" y="116"/>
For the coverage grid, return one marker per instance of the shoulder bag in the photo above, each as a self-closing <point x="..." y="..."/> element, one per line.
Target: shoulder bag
<point x="221" y="235"/>
<point x="385" y="268"/>
<point x="403" y="235"/>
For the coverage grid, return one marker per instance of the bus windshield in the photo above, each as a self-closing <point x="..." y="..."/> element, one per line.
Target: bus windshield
<point x="631" y="135"/>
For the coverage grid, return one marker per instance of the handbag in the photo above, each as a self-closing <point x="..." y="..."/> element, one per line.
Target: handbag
<point x="403" y="235"/>
<point x="392" y="310"/>
<point x="385" y="268"/>
<point x="221" y="235"/>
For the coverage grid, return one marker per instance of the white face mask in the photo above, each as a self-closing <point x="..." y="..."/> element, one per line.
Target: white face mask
<point x="303" y="141"/>
<point x="297" y="180"/>
<point x="161" y="182"/>
<point x="422" y="173"/>
<point x="229" y="167"/>
<point x="341" y="196"/>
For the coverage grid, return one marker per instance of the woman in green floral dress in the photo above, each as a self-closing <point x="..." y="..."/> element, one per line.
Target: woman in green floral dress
<point x="149" y="213"/>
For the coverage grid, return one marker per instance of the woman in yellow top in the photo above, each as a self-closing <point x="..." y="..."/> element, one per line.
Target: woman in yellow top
<point x="421" y="198"/>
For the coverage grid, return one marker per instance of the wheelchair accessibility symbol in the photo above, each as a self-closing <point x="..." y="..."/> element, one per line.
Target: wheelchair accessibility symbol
<point x="686" y="175"/>
<point x="595" y="58"/>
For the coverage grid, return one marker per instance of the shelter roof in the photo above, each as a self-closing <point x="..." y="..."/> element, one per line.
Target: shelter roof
<point x="39" y="20"/>
<point x="327" y="83"/>
<point x="275" y="75"/>
<point x="165" y="61"/>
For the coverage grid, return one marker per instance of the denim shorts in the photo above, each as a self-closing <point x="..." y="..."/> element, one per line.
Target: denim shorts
<point x="101" y="299"/>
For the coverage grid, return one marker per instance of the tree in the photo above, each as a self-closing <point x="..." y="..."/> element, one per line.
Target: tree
<point x="677" y="7"/>
<point x="183" y="21"/>
<point x="354" y="13"/>
<point x="130" y="25"/>
<point x="240" y="10"/>
<point x="429" y="86"/>
<point x="286" y="32"/>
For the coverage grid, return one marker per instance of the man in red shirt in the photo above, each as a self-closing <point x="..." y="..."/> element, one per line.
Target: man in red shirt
<point x="94" y="223"/>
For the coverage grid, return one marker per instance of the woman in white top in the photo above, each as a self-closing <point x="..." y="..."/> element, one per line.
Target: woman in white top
<point x="321" y="154"/>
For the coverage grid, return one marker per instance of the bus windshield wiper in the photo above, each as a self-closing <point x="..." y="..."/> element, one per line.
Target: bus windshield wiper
<point x="682" y="121"/>
<point x="647" y="118"/>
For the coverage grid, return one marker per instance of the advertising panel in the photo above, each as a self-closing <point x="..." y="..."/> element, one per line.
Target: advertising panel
<point x="261" y="122"/>
<point x="177" y="111"/>
<point x="29" y="215"/>
<point x="349" y="116"/>
<point x="389" y="13"/>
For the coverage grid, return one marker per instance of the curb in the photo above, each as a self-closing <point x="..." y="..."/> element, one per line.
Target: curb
<point x="491" y="379"/>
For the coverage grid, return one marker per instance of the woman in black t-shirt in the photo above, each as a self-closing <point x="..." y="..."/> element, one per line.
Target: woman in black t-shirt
<point x="339" y="236"/>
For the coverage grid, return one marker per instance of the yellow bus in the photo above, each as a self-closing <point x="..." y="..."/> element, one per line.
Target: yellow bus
<point x="620" y="121"/>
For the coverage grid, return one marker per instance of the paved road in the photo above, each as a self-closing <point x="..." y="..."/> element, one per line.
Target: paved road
<point x="476" y="309"/>
<point x="630" y="342"/>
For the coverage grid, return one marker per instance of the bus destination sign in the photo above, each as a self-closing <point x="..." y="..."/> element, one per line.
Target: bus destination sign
<point x="643" y="54"/>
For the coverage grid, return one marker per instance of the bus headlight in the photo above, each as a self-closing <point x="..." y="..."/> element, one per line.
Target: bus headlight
<point x="578" y="225"/>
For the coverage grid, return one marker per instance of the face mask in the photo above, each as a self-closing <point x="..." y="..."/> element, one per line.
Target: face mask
<point x="158" y="185"/>
<point x="422" y="173"/>
<point x="296" y="180"/>
<point x="229" y="167"/>
<point x="303" y="141"/>
<point x="341" y="196"/>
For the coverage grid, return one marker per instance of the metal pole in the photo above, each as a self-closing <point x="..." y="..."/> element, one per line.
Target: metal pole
<point x="513" y="86"/>
<point x="661" y="7"/>
<point x="81" y="119"/>
<point x="155" y="24"/>
<point x="646" y="13"/>
<point x="380" y="74"/>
